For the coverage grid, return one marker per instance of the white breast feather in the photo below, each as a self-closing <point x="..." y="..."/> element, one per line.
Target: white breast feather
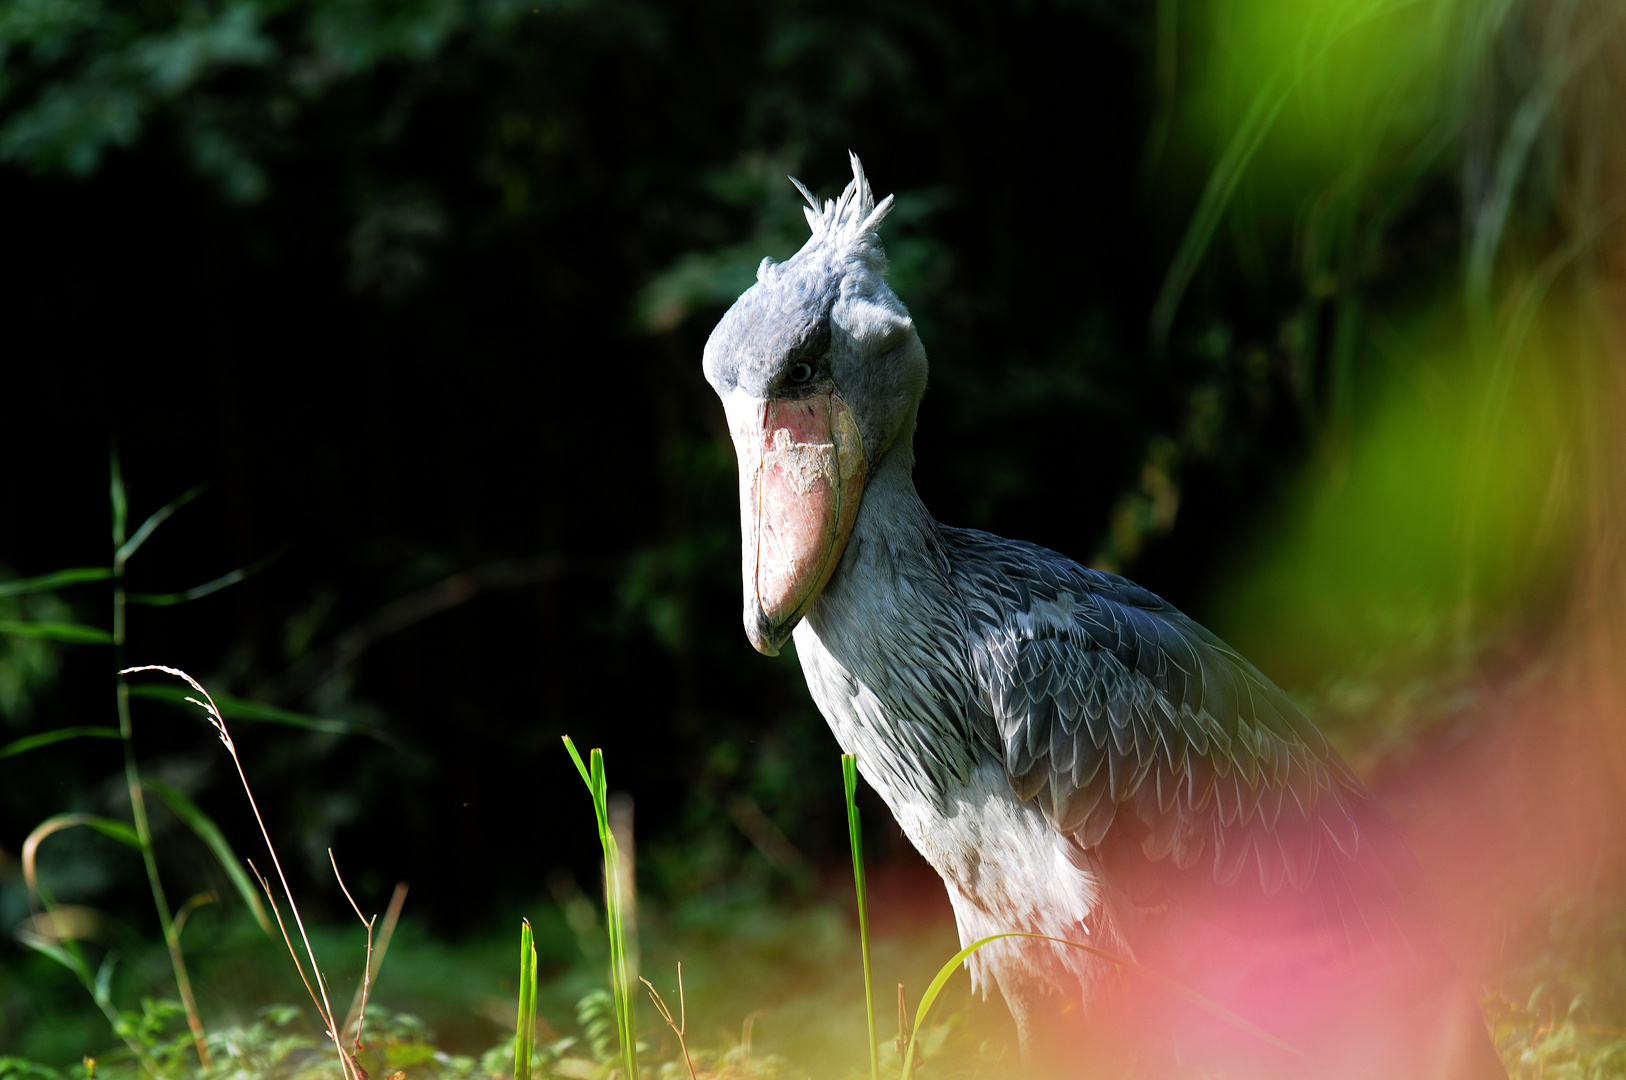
<point x="1005" y="868"/>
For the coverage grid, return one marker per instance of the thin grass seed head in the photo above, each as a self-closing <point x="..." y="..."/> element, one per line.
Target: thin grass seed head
<point x="319" y="995"/>
<point x="207" y="705"/>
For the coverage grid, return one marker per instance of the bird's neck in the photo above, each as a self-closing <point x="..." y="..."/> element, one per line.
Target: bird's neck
<point x="891" y="586"/>
<point x="884" y="652"/>
<point x="895" y="541"/>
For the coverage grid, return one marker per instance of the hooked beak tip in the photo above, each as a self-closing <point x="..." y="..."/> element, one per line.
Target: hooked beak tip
<point x="765" y="638"/>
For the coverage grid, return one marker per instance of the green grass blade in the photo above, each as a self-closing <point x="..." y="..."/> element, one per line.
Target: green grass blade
<point x="236" y="708"/>
<point x="103" y="992"/>
<point x="66" y="951"/>
<point x="110" y="827"/>
<point x="198" y="592"/>
<point x="1222" y="184"/>
<point x="139" y="537"/>
<point x="70" y="960"/>
<point x="74" y="633"/>
<point x="56" y="580"/>
<point x="600" y="786"/>
<point x="69" y="955"/>
<point x="622" y="976"/>
<point x="138" y="813"/>
<point x="849" y="780"/>
<point x="207" y="831"/>
<point x="118" y="496"/>
<point x="525" y="1027"/>
<point x="615" y="898"/>
<point x="577" y="758"/>
<point x="1208" y="1005"/>
<point x="46" y="738"/>
<point x="930" y="996"/>
<point x="1227" y="173"/>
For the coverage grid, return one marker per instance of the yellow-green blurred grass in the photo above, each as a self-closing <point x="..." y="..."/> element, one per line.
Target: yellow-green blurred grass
<point x="1446" y="517"/>
<point x="1347" y="69"/>
<point x="1462" y="512"/>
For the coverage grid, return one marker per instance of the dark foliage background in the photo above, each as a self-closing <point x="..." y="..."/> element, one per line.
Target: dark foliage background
<point x="421" y="288"/>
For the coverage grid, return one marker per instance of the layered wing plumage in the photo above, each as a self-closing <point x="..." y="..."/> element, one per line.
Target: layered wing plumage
<point x="1147" y="739"/>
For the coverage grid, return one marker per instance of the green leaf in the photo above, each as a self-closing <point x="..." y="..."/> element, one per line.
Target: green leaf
<point x="855" y="832"/>
<point x="61" y="955"/>
<point x="57" y="631"/>
<point x="130" y="546"/>
<point x="46" y="738"/>
<point x="112" y="827"/>
<point x="236" y="708"/>
<point x="577" y="758"/>
<point x="525" y="1031"/>
<point x="119" y="496"/>
<point x="1222" y="184"/>
<point x="118" y="830"/>
<point x="198" y="592"/>
<point x="210" y="834"/>
<point x="622" y="973"/>
<point x="103" y="991"/>
<point x="16" y="1068"/>
<point x="55" y="580"/>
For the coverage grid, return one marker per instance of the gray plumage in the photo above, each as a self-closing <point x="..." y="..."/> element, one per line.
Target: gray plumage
<point x="1063" y="746"/>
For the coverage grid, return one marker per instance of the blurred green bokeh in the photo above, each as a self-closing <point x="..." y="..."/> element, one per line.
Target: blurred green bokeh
<point x="1445" y="515"/>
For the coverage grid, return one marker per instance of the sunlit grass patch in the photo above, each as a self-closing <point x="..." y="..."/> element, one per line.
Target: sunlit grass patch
<point x="770" y="991"/>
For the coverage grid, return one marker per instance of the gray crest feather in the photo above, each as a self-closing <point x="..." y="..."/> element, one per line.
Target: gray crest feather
<point x="812" y="199"/>
<point x="846" y="228"/>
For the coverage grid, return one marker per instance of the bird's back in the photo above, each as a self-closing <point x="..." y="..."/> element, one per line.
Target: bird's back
<point x="1235" y="846"/>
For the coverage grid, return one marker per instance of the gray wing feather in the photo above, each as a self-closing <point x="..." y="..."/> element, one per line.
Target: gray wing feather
<point x="1124" y="718"/>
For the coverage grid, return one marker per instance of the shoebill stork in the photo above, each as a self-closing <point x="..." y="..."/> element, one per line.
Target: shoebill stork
<point x="1073" y="755"/>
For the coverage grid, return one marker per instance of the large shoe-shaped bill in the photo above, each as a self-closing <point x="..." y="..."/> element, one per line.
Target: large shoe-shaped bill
<point x="801" y="476"/>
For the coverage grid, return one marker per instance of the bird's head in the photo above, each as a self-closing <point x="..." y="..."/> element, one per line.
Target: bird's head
<point x="820" y="371"/>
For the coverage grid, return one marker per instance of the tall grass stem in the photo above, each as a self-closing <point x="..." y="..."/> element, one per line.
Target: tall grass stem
<point x="122" y="550"/>
<point x="392" y="915"/>
<point x="525" y="1022"/>
<point x="367" y="963"/>
<point x="618" y="897"/>
<point x="849" y="780"/>
<point x="680" y="1026"/>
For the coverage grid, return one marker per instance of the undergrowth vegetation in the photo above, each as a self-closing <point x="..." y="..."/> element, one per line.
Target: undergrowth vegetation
<point x="621" y="1007"/>
<point x="1557" y="1015"/>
